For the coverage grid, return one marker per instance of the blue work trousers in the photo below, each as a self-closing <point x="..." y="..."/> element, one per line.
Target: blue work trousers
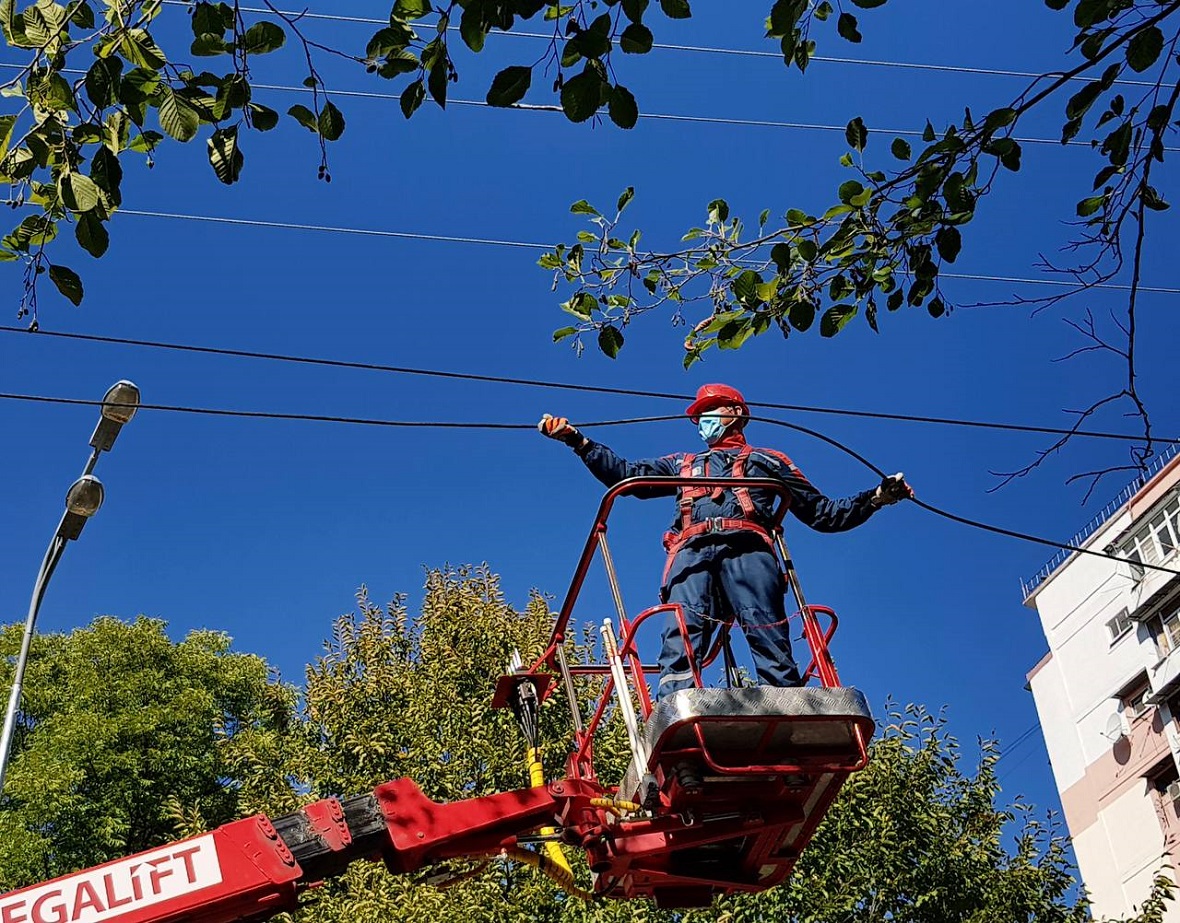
<point x="740" y="573"/>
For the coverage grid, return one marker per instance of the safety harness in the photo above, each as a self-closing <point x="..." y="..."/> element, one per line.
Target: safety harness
<point x="697" y="466"/>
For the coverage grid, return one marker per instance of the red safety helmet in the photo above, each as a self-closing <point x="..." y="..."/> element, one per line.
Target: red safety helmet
<point x="711" y="396"/>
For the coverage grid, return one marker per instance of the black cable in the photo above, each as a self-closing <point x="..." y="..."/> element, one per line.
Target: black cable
<point x="315" y="418"/>
<point x="963" y="520"/>
<point x="569" y="386"/>
<point x="430" y="424"/>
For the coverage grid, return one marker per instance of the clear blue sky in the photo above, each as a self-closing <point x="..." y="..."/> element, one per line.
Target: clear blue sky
<point x="266" y="529"/>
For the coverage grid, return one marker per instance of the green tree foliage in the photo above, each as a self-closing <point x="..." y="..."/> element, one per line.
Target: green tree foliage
<point x="913" y="837"/>
<point x="125" y="740"/>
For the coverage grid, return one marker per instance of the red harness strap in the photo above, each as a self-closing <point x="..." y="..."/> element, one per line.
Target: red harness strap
<point x="674" y="541"/>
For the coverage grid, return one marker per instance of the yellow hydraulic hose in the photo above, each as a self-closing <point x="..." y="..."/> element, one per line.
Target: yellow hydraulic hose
<point x="552" y="850"/>
<point x="616" y="806"/>
<point x="561" y="875"/>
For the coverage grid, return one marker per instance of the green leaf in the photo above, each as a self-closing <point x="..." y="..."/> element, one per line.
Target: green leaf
<point x="1153" y="200"/>
<point x="581" y="95"/>
<point x="622" y="107"/>
<point x="472" y="27"/>
<point x="735" y="333"/>
<point x="411" y="9"/>
<point x="140" y="49"/>
<point x="807" y="250"/>
<point x="224" y="155"/>
<point x="610" y="340"/>
<point x="1144" y="49"/>
<point x="636" y="39"/>
<point x="107" y="173"/>
<point x="79" y="193"/>
<point x="437" y="82"/>
<point x="928" y="134"/>
<point x="1087" y="207"/>
<point x="67" y="282"/>
<point x="330" y="122"/>
<point x="145" y="142"/>
<point x="563" y="332"/>
<point x="102" y="81"/>
<point x="582" y="305"/>
<point x="801" y="314"/>
<point x="836" y="319"/>
<point x="846" y="27"/>
<point x="949" y="242"/>
<point x="1082" y="100"/>
<point x="305" y="117"/>
<point x="676" y="9"/>
<point x="92" y="234"/>
<point x="634" y="9"/>
<point x="207" y="20"/>
<point x="848" y="189"/>
<point x="900" y="149"/>
<point x="624" y="199"/>
<point x="177" y="115"/>
<point x="856" y="134"/>
<point x="412" y="97"/>
<point x="936" y="307"/>
<point x="718" y="211"/>
<point x="263" y="37"/>
<point x="7" y="123"/>
<point x="510" y="85"/>
<point x="263" y="117"/>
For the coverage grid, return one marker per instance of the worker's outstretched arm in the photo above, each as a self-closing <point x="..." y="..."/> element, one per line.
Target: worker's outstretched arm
<point x="824" y="514"/>
<point x="604" y="464"/>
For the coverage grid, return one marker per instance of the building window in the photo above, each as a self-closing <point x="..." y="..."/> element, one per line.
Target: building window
<point x="1119" y="625"/>
<point x="1164" y="778"/>
<point x="1165" y="628"/>
<point x="1156" y="540"/>
<point x="1135" y="704"/>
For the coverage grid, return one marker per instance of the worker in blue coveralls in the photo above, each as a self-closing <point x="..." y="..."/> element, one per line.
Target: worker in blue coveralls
<point x="719" y="546"/>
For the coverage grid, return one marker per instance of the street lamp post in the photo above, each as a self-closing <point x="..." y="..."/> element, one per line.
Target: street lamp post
<point x="82" y="501"/>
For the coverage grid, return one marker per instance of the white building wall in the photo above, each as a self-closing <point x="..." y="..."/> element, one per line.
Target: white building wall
<point x="1118" y="835"/>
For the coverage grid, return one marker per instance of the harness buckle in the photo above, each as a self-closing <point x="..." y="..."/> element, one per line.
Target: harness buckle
<point x="714" y="524"/>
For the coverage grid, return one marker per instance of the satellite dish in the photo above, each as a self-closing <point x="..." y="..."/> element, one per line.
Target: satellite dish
<point x="1114" y="728"/>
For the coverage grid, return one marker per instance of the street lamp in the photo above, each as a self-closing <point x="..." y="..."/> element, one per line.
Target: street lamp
<point x="82" y="501"/>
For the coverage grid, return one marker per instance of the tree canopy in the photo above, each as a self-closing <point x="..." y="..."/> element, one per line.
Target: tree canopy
<point x="144" y="740"/>
<point x="122" y="736"/>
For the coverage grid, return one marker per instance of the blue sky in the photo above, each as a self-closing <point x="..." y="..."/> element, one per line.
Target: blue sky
<point x="265" y="529"/>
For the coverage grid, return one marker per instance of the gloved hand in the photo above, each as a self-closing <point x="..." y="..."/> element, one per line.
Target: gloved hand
<point x="560" y="428"/>
<point x="892" y="489"/>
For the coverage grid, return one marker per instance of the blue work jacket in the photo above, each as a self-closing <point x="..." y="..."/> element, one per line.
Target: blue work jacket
<point x="807" y="504"/>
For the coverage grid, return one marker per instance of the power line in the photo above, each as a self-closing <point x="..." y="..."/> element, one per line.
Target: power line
<point x="428" y="424"/>
<point x="705" y="49"/>
<point x="494" y="242"/>
<point x="669" y="117"/>
<point x="563" y="386"/>
<point x="652" y="116"/>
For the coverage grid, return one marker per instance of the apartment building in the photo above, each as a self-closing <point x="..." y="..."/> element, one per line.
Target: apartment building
<point x="1108" y="691"/>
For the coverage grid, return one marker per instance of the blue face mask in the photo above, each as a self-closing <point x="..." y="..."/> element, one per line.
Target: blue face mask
<point x="711" y="427"/>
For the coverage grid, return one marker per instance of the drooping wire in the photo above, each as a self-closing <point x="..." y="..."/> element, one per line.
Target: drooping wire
<point x="432" y="424"/>
<point x="569" y="386"/>
<point x="963" y="520"/>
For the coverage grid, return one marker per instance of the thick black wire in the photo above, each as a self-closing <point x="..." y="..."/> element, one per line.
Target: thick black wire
<point x="569" y="386"/>
<point x="963" y="520"/>
<point x="431" y="424"/>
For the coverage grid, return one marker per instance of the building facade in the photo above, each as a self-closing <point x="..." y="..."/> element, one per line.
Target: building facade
<point x="1108" y="691"/>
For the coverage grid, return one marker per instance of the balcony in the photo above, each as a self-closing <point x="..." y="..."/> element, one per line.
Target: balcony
<point x="1164" y="677"/>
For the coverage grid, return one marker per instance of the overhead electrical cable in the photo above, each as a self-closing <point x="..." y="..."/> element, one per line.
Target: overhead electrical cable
<point x="654" y="116"/>
<point x="519" y="244"/>
<point x="704" y="49"/>
<point x="565" y="385"/>
<point x="431" y="424"/>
